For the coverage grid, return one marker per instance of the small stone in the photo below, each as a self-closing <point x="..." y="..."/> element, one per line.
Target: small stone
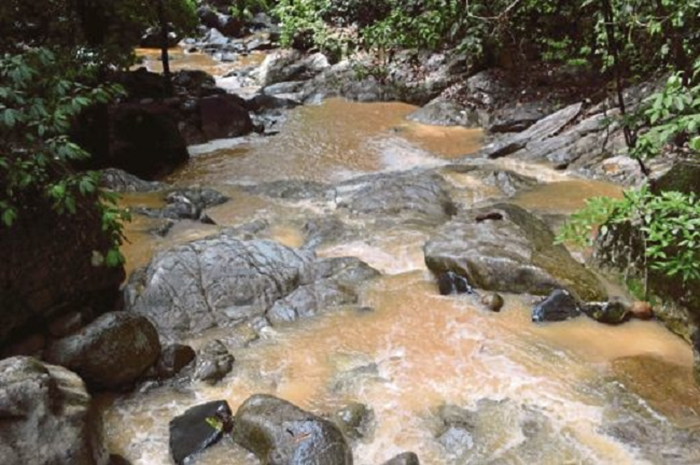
<point x="641" y="310"/>
<point x="612" y="313"/>
<point x="493" y="302"/>
<point x="355" y="420"/>
<point x="559" y="306"/>
<point x="213" y="363"/>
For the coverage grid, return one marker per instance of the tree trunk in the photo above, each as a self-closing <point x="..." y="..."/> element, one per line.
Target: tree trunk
<point x="164" y="42"/>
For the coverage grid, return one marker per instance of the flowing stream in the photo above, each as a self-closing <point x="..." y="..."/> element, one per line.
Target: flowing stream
<point x="416" y="350"/>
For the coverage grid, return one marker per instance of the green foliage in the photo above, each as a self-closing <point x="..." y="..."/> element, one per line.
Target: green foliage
<point x="246" y="9"/>
<point x="669" y="221"/>
<point x="672" y="115"/>
<point x="40" y="96"/>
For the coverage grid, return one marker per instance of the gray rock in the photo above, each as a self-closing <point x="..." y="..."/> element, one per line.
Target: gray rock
<point x="224" y="116"/>
<point x="278" y="432"/>
<point x="520" y="117"/>
<point x="111" y="352"/>
<point x="290" y="65"/>
<point x="560" y="305"/>
<point x="407" y="458"/>
<point x="396" y="196"/>
<point x="47" y="417"/>
<point x="186" y="203"/>
<point x="215" y="281"/>
<point x="443" y="112"/>
<point x="507" y="249"/>
<point x="120" y="181"/>
<point x="290" y="189"/>
<point x="214" y="362"/>
<point x="194" y="430"/>
<point x="172" y="360"/>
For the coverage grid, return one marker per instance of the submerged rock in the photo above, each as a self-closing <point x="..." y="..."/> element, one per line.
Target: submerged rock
<point x="186" y="203"/>
<point x="278" y="432"/>
<point x="355" y="420"/>
<point x="559" y="306"/>
<point x="493" y="302"/>
<point x="47" y="417"/>
<point x="515" y="253"/>
<point x="214" y="362"/>
<point x="407" y="458"/>
<point x="613" y="312"/>
<point x="111" y="352"/>
<point x="198" y="428"/>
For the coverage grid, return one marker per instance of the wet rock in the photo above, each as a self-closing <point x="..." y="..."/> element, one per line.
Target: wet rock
<point x="286" y="89"/>
<point x="196" y="83"/>
<point x="613" y="312"/>
<point x="214" y="362"/>
<point x="116" y="459"/>
<point x="342" y="80"/>
<point x="407" y="458"/>
<point x="111" y="352"/>
<point x="215" y="281"/>
<point x="451" y="283"/>
<point x="172" y="360"/>
<point x="290" y="65"/>
<point x="421" y="76"/>
<point x="224" y="116"/>
<point x="519" y="118"/>
<point x="198" y="428"/>
<point x="142" y="139"/>
<point x="186" y="203"/>
<point x="334" y="285"/>
<point x="684" y="177"/>
<point x="395" y="197"/>
<point x="355" y="420"/>
<point x="442" y="112"/>
<point x="508" y="182"/>
<point x="290" y="189"/>
<point x="641" y="310"/>
<point x="560" y="305"/>
<point x="266" y="102"/>
<point x="493" y="302"/>
<point x="225" y="24"/>
<point x="47" y="417"/>
<point x="514" y="254"/>
<point x="456" y="431"/>
<point x="279" y="432"/>
<point x="120" y="181"/>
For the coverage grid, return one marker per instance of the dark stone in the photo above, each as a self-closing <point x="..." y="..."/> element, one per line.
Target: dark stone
<point x="111" y="352"/>
<point x="186" y="203"/>
<point x="493" y="302"/>
<point x="196" y="83"/>
<point x="224" y="116"/>
<point x="173" y="359"/>
<point x="559" y="306"/>
<point x="278" y="432"/>
<point x="214" y="362"/>
<point x="191" y="433"/>
<point x="407" y="458"/>
<point x="451" y="283"/>
<point x="683" y="177"/>
<point x="141" y="84"/>
<point x="47" y="416"/>
<point x="116" y="459"/>
<point x="355" y="420"/>
<point x="142" y="139"/>
<point x="613" y="312"/>
<point x="441" y="112"/>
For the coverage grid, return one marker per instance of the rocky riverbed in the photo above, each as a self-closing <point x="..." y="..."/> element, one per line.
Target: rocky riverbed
<point x="332" y="275"/>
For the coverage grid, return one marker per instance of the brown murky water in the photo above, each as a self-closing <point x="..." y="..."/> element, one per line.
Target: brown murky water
<point x="415" y="350"/>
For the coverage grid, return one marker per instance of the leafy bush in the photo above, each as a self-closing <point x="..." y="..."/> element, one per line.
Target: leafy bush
<point x="40" y="96"/>
<point x="669" y="221"/>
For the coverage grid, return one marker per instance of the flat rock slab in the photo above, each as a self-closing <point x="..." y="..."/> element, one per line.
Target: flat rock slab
<point x="505" y="248"/>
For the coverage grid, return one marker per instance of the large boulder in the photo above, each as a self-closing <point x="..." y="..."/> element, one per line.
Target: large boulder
<point x="290" y="65"/>
<point x="224" y="116"/>
<point x="505" y="248"/>
<point x="214" y="281"/>
<point x="142" y="139"/>
<point x="49" y="268"/>
<point x="111" y="352"/>
<point x="444" y="112"/>
<point x="280" y="433"/>
<point x="47" y="417"/>
<point x="421" y="196"/>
